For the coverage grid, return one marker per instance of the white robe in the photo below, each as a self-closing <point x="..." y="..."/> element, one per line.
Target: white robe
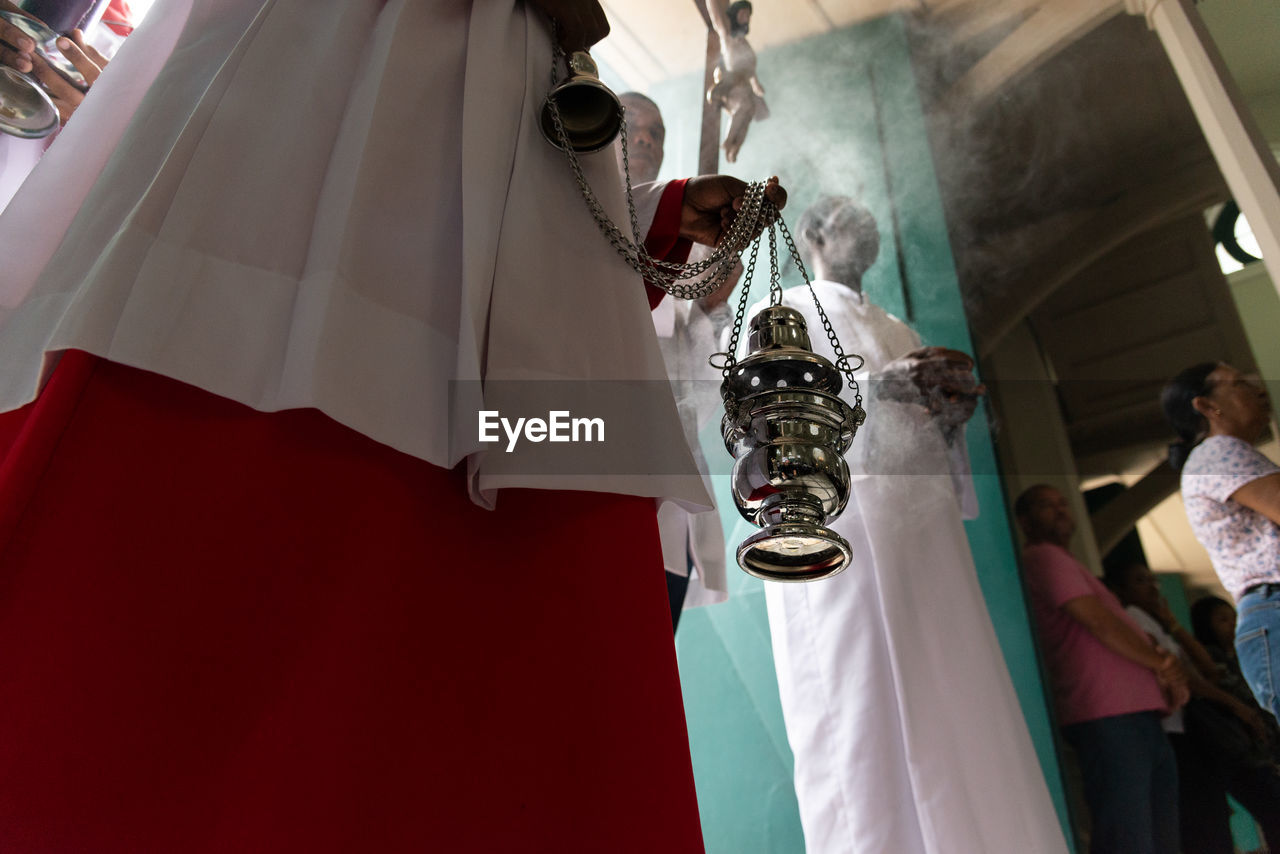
<point x="687" y="336"/>
<point x="348" y="206"/>
<point x="908" y="737"/>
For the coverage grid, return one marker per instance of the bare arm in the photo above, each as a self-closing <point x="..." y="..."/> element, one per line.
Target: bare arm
<point x="1251" y="717"/>
<point x="1197" y="655"/>
<point x="1262" y="495"/>
<point x="1114" y="633"/>
<point x="1121" y="638"/>
<point x="1202" y="686"/>
<point x="718" y="11"/>
<point x="1200" y="670"/>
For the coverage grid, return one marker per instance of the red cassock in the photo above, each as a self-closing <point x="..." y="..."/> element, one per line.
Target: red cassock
<point x="257" y="628"/>
<point x="229" y="630"/>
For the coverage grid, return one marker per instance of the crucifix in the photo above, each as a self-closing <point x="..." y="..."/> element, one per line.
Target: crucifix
<point x="730" y="80"/>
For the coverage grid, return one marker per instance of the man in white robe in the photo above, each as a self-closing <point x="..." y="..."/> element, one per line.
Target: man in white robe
<point x="907" y="734"/>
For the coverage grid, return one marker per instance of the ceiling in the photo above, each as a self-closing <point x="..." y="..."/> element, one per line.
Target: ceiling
<point x="655" y="39"/>
<point x="652" y="40"/>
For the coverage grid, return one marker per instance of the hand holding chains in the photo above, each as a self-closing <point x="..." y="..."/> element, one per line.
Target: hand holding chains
<point x="785" y="423"/>
<point x="574" y="120"/>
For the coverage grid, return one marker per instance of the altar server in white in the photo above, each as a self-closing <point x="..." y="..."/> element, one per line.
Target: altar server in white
<point x="905" y="727"/>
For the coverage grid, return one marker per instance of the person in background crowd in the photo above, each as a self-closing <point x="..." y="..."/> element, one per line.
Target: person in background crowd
<point x="891" y="730"/>
<point x="1111" y="686"/>
<point x="1217" y="738"/>
<point x="646" y="137"/>
<point x="1213" y="622"/>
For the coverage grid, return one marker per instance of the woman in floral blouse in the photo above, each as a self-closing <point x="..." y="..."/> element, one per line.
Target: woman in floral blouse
<point x="1232" y="496"/>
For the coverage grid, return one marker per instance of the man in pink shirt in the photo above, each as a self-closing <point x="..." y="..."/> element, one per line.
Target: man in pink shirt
<point x="1111" y="685"/>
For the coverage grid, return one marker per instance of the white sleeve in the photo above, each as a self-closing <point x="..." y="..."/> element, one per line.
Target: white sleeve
<point x="646" y="197"/>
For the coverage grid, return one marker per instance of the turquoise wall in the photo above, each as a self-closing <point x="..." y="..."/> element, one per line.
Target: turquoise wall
<point x="846" y="118"/>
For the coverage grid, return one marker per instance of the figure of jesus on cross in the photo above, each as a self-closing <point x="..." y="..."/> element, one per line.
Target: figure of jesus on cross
<point x="736" y="89"/>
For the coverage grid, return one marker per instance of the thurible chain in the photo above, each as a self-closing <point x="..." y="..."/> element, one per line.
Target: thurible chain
<point x="756" y="215"/>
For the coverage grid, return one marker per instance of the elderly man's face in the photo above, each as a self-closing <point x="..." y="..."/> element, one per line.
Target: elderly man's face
<point x="848" y="245"/>
<point x="645" y="137"/>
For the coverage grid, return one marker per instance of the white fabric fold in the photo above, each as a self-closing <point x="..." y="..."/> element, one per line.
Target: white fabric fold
<point x="688" y="337"/>
<point x="347" y="206"/>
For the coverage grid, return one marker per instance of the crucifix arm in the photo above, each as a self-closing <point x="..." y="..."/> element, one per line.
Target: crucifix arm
<point x="719" y="17"/>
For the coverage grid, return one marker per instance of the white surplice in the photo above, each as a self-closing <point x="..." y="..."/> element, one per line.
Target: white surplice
<point x="907" y="734"/>
<point x="688" y="336"/>
<point x="347" y="206"/>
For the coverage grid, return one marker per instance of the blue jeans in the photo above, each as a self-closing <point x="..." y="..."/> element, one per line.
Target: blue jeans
<point x="1130" y="781"/>
<point x="1257" y="635"/>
